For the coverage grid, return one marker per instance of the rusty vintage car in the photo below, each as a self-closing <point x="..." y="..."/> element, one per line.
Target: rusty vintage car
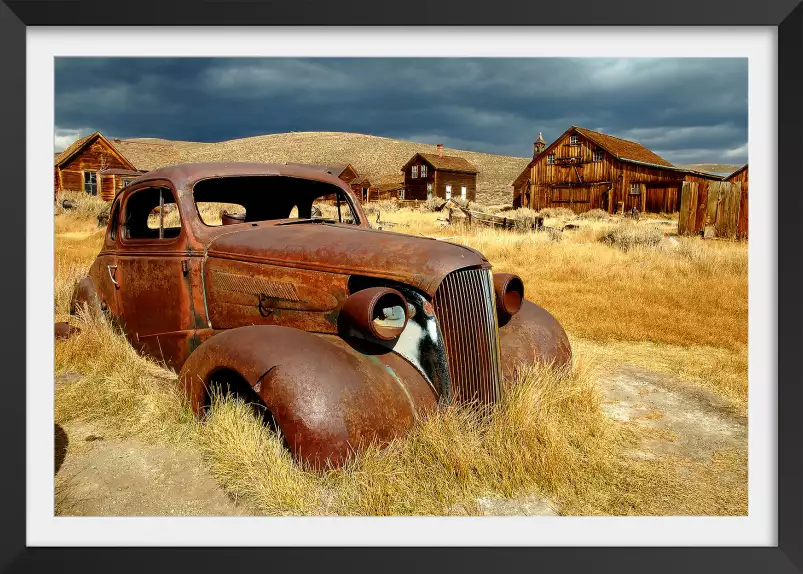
<point x="269" y="281"/>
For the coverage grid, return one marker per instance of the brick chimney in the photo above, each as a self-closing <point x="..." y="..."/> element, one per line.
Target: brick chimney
<point x="440" y="150"/>
<point x="539" y="145"/>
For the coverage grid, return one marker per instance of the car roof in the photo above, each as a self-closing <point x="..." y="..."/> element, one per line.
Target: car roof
<point x="184" y="176"/>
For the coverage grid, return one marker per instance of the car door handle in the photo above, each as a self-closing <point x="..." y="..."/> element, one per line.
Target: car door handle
<point x="109" y="269"/>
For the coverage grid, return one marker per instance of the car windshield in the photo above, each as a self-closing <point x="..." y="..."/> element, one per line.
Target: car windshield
<point x="242" y="199"/>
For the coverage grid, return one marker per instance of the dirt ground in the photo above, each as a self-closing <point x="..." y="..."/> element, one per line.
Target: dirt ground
<point x="96" y="476"/>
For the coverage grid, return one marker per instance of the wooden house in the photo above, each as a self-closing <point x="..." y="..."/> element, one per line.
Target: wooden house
<point x="436" y="175"/>
<point x="94" y="166"/>
<point x="584" y="169"/>
<point x="360" y="185"/>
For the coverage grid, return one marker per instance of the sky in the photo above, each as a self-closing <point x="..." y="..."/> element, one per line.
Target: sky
<point x="687" y="110"/>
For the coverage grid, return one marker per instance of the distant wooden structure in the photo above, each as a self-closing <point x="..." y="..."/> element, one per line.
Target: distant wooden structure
<point x="429" y="175"/>
<point x="361" y="186"/>
<point x="387" y="191"/>
<point x="93" y="165"/>
<point x="741" y="176"/>
<point x="346" y="172"/>
<point x="713" y="211"/>
<point x="584" y="169"/>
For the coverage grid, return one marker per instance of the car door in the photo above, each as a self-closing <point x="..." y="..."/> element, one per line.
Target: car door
<point x="104" y="272"/>
<point x="154" y="293"/>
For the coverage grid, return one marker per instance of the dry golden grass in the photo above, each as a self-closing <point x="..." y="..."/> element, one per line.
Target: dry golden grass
<point x="679" y="309"/>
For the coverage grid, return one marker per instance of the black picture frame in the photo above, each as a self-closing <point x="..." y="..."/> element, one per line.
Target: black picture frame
<point x="787" y="15"/>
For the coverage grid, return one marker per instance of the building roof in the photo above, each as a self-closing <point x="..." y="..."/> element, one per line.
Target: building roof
<point x="540" y="138"/>
<point x="445" y="162"/>
<point x="72" y="149"/>
<point x="392" y="186"/>
<point x="361" y="180"/>
<point x="622" y="149"/>
<point x="737" y="172"/>
<point x="335" y="169"/>
<point x="81" y="143"/>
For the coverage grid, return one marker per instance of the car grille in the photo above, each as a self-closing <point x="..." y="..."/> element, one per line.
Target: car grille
<point x="466" y="312"/>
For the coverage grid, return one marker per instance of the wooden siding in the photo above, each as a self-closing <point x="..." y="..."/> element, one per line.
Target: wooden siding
<point x="349" y="174"/>
<point x="416" y="188"/>
<point x="715" y="213"/>
<point x="578" y="182"/>
<point x="742" y="176"/>
<point x="106" y="190"/>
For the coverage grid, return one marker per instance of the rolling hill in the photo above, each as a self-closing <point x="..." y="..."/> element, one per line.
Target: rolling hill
<point x="379" y="158"/>
<point x="718" y="168"/>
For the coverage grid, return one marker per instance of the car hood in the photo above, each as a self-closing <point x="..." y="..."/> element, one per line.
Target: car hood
<point x="337" y="248"/>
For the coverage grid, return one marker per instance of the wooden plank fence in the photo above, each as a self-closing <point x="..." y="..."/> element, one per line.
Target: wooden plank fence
<point x="714" y="213"/>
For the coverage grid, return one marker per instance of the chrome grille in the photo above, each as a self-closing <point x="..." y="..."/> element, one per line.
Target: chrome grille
<point x="466" y="312"/>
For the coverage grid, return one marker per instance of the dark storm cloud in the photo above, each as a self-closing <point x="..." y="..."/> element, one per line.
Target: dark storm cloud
<point x="687" y="110"/>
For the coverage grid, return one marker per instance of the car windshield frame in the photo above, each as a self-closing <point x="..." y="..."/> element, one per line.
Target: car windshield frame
<point x="339" y="192"/>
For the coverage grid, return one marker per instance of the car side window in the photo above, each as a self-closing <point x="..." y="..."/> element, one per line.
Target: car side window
<point x="333" y="207"/>
<point x="151" y="213"/>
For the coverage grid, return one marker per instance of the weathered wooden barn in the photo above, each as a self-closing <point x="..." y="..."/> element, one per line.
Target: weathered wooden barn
<point x="93" y="165"/>
<point x="436" y="175"/>
<point x="584" y="169"/>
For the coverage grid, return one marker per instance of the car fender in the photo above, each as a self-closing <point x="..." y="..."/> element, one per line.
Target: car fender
<point x="85" y="294"/>
<point x="533" y="335"/>
<point x="328" y="398"/>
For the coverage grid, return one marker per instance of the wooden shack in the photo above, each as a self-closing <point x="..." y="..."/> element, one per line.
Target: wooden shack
<point x="741" y="176"/>
<point x="94" y="166"/>
<point x="584" y="169"/>
<point x="361" y="186"/>
<point x="436" y="175"/>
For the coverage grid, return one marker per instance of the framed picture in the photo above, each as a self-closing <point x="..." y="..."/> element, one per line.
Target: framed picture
<point x="271" y="340"/>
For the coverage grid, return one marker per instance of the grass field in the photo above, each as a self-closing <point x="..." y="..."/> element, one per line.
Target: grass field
<point x="674" y="306"/>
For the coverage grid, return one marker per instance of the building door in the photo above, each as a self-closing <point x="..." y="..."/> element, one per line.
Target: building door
<point x="463" y="192"/>
<point x="448" y="192"/>
<point x="429" y="191"/>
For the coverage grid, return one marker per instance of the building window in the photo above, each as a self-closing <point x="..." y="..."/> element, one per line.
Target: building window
<point x="429" y="191"/>
<point x="463" y="192"/>
<point x="550" y="159"/>
<point x="415" y="172"/>
<point x="635" y="189"/>
<point x="448" y="192"/>
<point x="574" y="140"/>
<point x="91" y="182"/>
<point x="423" y="170"/>
<point x="597" y="155"/>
